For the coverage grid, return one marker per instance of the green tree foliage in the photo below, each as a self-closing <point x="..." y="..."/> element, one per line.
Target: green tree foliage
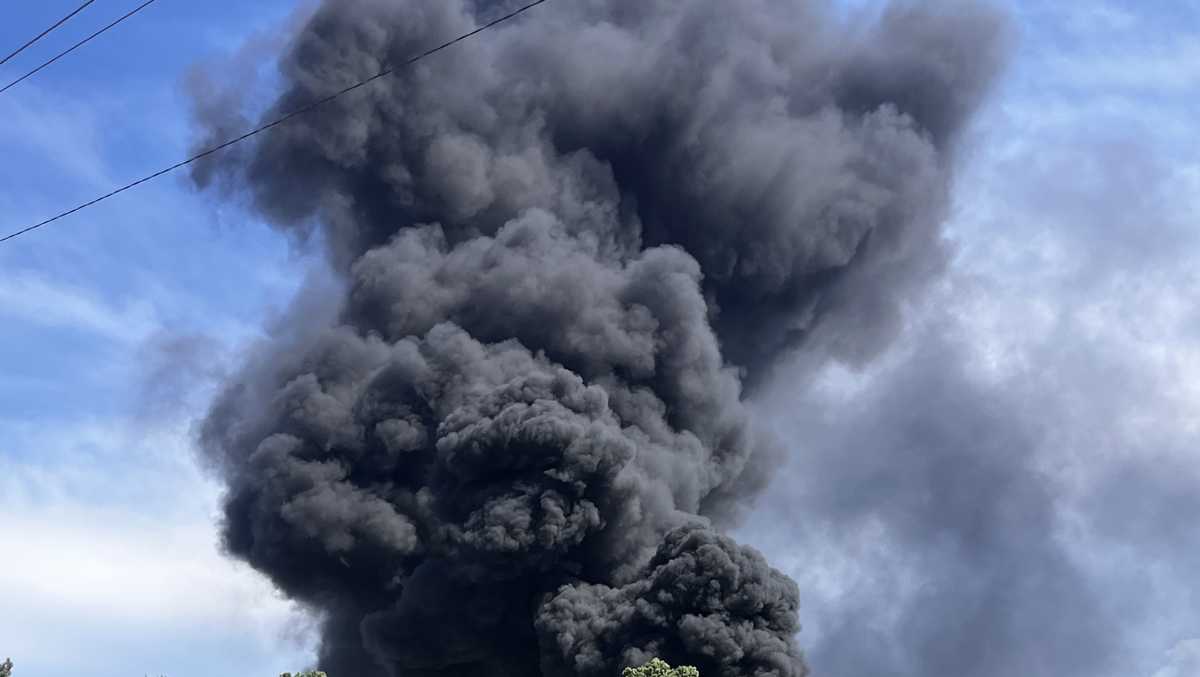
<point x="658" y="668"/>
<point x="310" y="673"/>
<point x="6" y="668"/>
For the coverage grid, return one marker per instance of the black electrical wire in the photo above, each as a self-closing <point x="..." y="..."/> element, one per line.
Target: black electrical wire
<point x="276" y="122"/>
<point x="76" y="46"/>
<point x="46" y="32"/>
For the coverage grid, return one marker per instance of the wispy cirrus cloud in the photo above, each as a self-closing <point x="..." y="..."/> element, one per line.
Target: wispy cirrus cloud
<point x="34" y="300"/>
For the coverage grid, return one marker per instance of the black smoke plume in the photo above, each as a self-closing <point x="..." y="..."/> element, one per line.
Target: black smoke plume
<point x="568" y="249"/>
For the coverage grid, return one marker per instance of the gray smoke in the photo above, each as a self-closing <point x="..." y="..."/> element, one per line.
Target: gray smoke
<point x="937" y="484"/>
<point x="568" y="248"/>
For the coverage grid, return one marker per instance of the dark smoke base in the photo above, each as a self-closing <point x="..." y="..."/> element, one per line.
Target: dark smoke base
<point x="567" y="249"/>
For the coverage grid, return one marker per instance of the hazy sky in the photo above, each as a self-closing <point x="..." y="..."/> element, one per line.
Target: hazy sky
<point x="1012" y="486"/>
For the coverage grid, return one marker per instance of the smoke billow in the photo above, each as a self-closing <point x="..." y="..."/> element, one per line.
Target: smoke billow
<point x="568" y="248"/>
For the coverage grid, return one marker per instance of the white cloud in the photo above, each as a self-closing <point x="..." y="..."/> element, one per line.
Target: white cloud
<point x="1167" y="67"/>
<point x="112" y="560"/>
<point x="127" y="569"/>
<point x="65" y="131"/>
<point x="1095" y="17"/>
<point x="98" y="592"/>
<point x="1184" y="660"/>
<point x="31" y="299"/>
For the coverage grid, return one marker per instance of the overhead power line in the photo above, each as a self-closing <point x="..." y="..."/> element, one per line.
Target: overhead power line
<point x="46" y="32"/>
<point x="276" y="122"/>
<point x="77" y="45"/>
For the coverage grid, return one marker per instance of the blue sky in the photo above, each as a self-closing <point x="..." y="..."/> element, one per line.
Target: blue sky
<point x="119" y="573"/>
<point x="97" y="485"/>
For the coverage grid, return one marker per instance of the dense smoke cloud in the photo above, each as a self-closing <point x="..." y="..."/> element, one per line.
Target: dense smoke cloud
<point x="568" y="249"/>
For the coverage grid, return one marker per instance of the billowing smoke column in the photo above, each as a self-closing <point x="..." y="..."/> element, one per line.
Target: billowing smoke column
<point x="568" y="248"/>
